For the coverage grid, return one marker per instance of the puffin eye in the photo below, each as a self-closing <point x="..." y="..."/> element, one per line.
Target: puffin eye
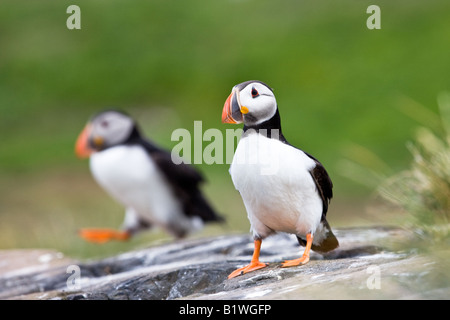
<point x="255" y="93"/>
<point x="104" y="124"/>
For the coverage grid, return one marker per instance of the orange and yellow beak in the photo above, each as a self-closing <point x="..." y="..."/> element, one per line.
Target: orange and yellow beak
<point x="82" y="149"/>
<point x="232" y="110"/>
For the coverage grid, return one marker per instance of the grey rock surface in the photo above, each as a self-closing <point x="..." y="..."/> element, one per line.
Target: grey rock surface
<point x="364" y="267"/>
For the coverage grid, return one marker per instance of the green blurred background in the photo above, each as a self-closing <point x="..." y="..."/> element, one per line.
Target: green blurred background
<point x="340" y="89"/>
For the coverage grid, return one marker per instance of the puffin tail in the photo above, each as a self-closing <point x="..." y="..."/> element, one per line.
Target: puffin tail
<point x="324" y="239"/>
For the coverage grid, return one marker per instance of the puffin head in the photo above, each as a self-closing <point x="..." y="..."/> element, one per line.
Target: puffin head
<point x="251" y="102"/>
<point x="104" y="130"/>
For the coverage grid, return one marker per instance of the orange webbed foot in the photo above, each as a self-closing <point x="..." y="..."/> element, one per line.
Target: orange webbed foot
<point x="103" y="235"/>
<point x="303" y="259"/>
<point x="255" y="264"/>
<point x="295" y="262"/>
<point x="251" y="267"/>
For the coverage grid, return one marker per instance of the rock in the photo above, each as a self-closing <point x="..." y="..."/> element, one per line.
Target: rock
<point x="362" y="267"/>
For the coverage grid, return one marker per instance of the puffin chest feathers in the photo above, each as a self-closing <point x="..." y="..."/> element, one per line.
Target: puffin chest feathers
<point x="276" y="186"/>
<point x="130" y="175"/>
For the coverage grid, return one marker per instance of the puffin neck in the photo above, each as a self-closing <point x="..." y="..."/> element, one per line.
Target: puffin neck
<point x="270" y="128"/>
<point x="135" y="136"/>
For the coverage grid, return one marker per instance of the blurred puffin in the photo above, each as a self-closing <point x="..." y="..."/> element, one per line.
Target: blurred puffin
<point x="143" y="178"/>
<point x="284" y="189"/>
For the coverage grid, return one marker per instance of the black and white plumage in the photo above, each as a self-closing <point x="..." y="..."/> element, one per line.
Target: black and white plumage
<point x="284" y="189"/>
<point x="143" y="178"/>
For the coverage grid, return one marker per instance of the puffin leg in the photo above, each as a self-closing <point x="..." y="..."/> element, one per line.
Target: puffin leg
<point x="255" y="264"/>
<point x="303" y="259"/>
<point x="103" y="235"/>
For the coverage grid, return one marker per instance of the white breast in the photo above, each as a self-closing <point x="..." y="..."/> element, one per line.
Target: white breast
<point x="129" y="174"/>
<point x="276" y="186"/>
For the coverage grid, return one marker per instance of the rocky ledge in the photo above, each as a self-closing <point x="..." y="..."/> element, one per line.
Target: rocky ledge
<point x="364" y="267"/>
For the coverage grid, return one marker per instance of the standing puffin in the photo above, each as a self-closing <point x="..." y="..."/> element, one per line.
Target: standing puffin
<point x="143" y="178"/>
<point x="284" y="189"/>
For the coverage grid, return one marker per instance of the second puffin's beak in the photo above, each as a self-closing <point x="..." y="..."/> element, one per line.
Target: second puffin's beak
<point x="82" y="148"/>
<point x="232" y="112"/>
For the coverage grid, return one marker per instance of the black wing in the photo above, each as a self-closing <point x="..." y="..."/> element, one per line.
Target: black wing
<point x="321" y="178"/>
<point x="324" y="187"/>
<point x="185" y="181"/>
<point x="323" y="183"/>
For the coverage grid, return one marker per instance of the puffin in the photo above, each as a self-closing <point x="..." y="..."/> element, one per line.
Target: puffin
<point x="142" y="177"/>
<point x="283" y="188"/>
